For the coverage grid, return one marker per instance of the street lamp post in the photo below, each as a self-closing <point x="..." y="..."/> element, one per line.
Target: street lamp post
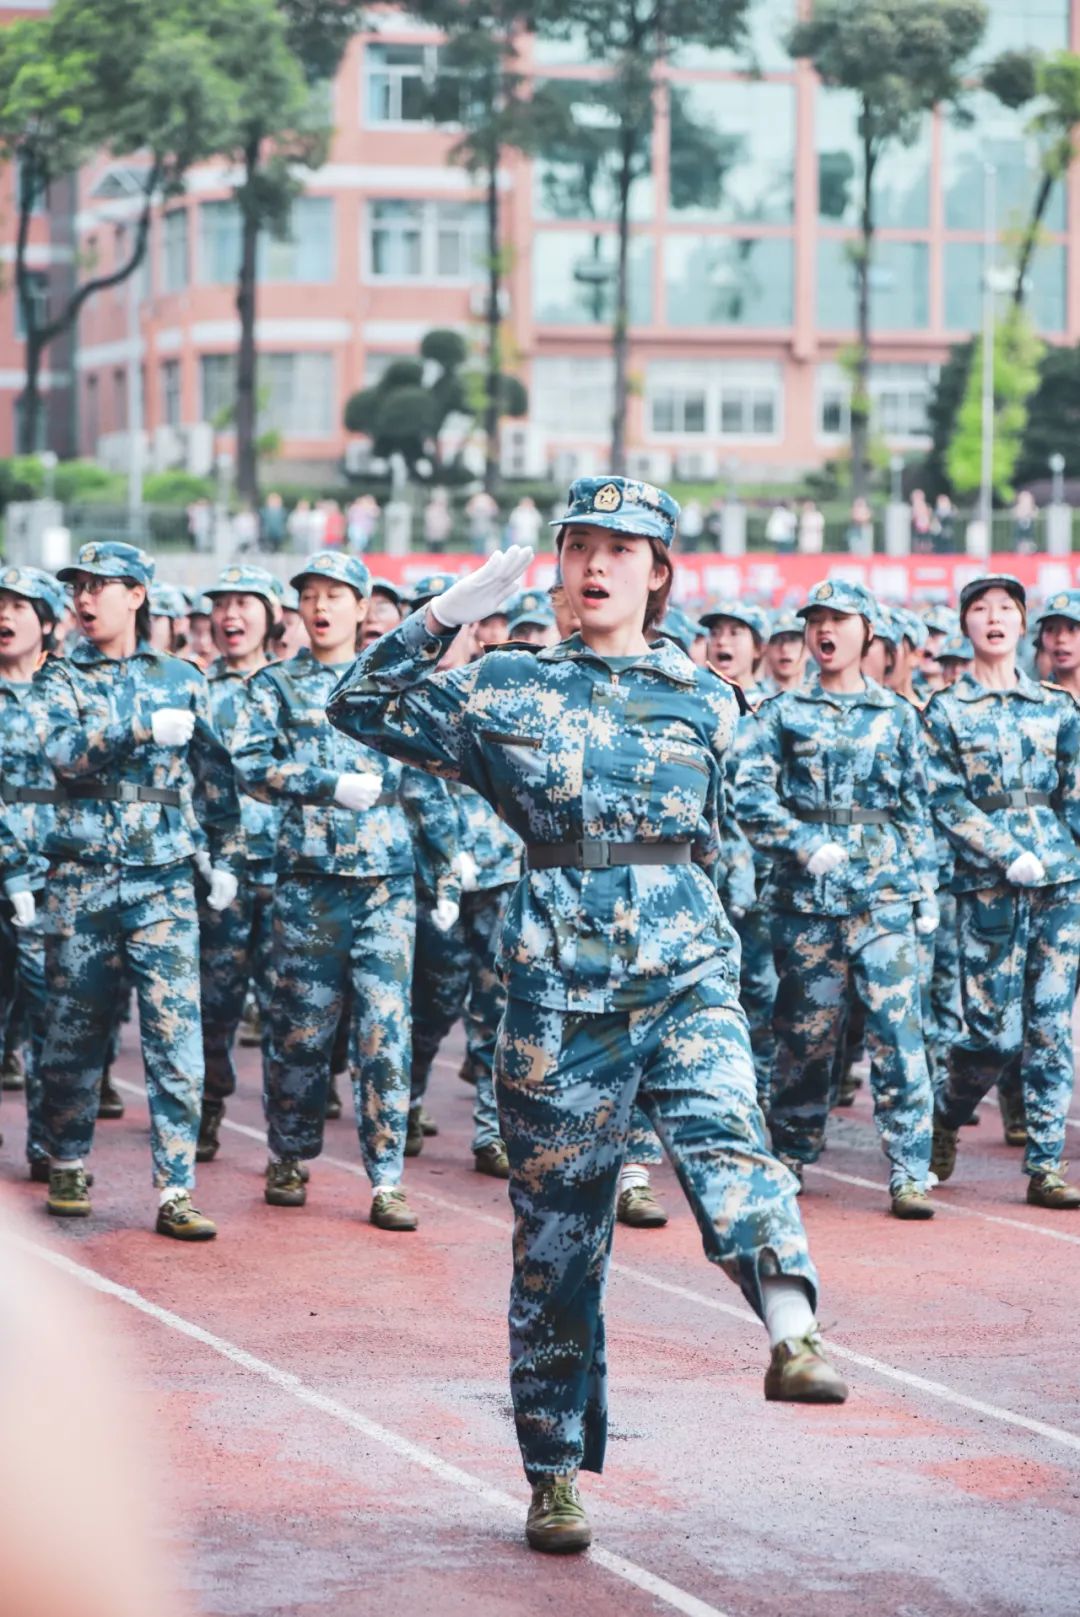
<point x="986" y="480"/>
<point x="1058" y="514"/>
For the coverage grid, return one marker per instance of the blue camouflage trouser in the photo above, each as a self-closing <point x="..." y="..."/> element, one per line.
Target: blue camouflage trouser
<point x="331" y="933"/>
<point x="821" y="960"/>
<point x="946" y="1020"/>
<point x="235" y="950"/>
<point x="100" y="922"/>
<point x="1019" y="956"/>
<point x="23" y="998"/>
<point x="757" y="991"/>
<point x="454" y="975"/>
<point x="566" y="1084"/>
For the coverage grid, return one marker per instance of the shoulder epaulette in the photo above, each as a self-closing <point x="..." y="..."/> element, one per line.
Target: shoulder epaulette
<point x="1048" y="685"/>
<point x="914" y="701"/>
<point x="514" y="645"/>
<point x="733" y="686"/>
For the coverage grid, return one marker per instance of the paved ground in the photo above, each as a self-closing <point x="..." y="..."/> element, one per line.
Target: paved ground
<point x="336" y="1402"/>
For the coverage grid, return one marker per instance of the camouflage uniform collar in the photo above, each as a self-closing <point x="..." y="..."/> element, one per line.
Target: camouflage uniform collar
<point x="968" y="689"/>
<point x="663" y="657"/>
<point x="872" y="694"/>
<point x="86" y="654"/>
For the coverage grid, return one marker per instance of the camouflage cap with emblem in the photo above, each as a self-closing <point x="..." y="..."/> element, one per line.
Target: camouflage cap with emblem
<point x="338" y="565"/>
<point x="755" y="618"/>
<point x="841" y="595"/>
<point x="786" y="622"/>
<point x="623" y="505"/>
<point x="244" y="579"/>
<point x="1062" y="604"/>
<point x="425" y="589"/>
<point x="110" y="558"/>
<point x="992" y="581"/>
<point x="168" y="601"/>
<point x="679" y="626"/>
<point x="34" y="584"/>
<point x="957" y="648"/>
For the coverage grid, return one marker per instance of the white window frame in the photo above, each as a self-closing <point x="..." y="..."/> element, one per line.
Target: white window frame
<point x="752" y="381"/>
<point x="428" y="73"/>
<point x="429" y="242"/>
<point x="588" y="383"/>
<point x="886" y="379"/>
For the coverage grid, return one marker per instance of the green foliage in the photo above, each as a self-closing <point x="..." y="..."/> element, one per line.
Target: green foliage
<point x="942" y="412"/>
<point x="84" y="482"/>
<point x="21" y="478"/>
<point x="1013" y="77"/>
<point x="445" y="348"/>
<point x="1017" y="351"/>
<point x="1053" y="417"/>
<point x="176" y="488"/>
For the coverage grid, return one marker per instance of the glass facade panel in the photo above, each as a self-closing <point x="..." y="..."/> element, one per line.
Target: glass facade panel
<point x="767" y="25"/>
<point x="219" y="242"/>
<point x="902" y="177"/>
<point x="174" y="250"/>
<point x="1031" y="25"/>
<point x="577" y="178"/>
<point x="399" y="81"/>
<point x="574" y="278"/>
<point x="733" y="152"/>
<point x="169" y="377"/>
<point x="307" y="254"/>
<point x="728" y="280"/>
<point x="1045" y="295"/>
<point x="397" y="236"/>
<point x="426" y="241"/>
<point x="572" y="395"/>
<point x="295" y="389"/>
<point x="217" y="386"/>
<point x="899" y="286"/>
<point x="998" y="136"/>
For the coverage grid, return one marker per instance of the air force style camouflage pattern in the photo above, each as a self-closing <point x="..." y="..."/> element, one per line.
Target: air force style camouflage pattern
<point x="337" y="565"/>
<point x="1062" y="604"/>
<point x="622" y="504"/>
<point x="111" y="558"/>
<point x="35" y="585"/>
<point x="988" y="752"/>
<point x="244" y="579"/>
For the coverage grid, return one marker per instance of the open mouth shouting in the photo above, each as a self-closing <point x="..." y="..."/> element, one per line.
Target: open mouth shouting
<point x="594" y="595"/>
<point x="826" y="645"/>
<point x="7" y="635"/>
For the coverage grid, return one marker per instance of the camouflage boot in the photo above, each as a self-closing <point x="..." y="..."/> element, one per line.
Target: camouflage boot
<point x="390" y="1210"/>
<point x="414" y="1132"/>
<point x="637" y="1206"/>
<point x="12" y="1073"/>
<point x="333" y="1100"/>
<point x="178" y="1219"/>
<point x="492" y="1160"/>
<point x="556" y="1522"/>
<point x="1052" y="1190"/>
<point x="284" y="1185"/>
<point x="68" y="1196"/>
<point x="208" y="1143"/>
<point x="1013" y="1120"/>
<point x="110" y="1105"/>
<point x="799" y="1373"/>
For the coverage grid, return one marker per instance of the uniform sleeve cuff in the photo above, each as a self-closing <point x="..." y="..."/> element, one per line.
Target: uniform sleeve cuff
<point x="420" y="641"/>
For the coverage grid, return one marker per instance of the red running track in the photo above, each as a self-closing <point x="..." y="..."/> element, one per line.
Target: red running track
<point x="336" y="1404"/>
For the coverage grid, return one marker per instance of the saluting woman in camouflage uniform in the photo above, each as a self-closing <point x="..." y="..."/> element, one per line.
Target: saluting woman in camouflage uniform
<point x="606" y="755"/>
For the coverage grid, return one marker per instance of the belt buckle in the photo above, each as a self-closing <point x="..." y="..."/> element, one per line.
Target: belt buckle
<point x="593" y="855"/>
<point x="843" y="816"/>
<point x="127" y="792"/>
<point x="1018" y="798"/>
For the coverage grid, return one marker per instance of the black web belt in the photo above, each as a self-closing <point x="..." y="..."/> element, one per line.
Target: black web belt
<point x="125" y="792"/>
<point x="845" y="816"/>
<point x="10" y="793"/>
<point x="587" y="854"/>
<point x="1021" y="798"/>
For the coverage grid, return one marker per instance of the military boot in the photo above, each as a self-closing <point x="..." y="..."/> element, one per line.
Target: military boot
<point x="250" y="1030"/>
<point x="1052" y="1190"/>
<point x="637" y="1206"/>
<point x="414" y="1133"/>
<point x="911" y="1201"/>
<point x="333" y="1101"/>
<point x="110" y="1105"/>
<point x="428" y="1124"/>
<point x="943" y="1150"/>
<point x="492" y="1160"/>
<point x="390" y="1210"/>
<point x="557" y="1523"/>
<point x="284" y="1185"/>
<point x="799" y="1373"/>
<point x="40" y="1170"/>
<point x="208" y="1144"/>
<point x="12" y="1073"/>
<point x="1013" y="1119"/>
<point x="848" y="1088"/>
<point x="68" y="1196"/>
<point x="182" y="1222"/>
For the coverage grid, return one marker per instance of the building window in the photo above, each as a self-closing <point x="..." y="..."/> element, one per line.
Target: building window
<point x="174" y="250"/>
<point x="572" y="396"/>
<point x="41" y="426"/>
<point x="899" y="286"/>
<point x="170" y="392"/>
<point x="39" y="299"/>
<point x="899" y="400"/>
<point x="400" y="81"/>
<point x="728" y="280"/>
<point x="574" y="278"/>
<point x="768" y="23"/>
<point x="425" y="241"/>
<point x="91" y="417"/>
<point x="750" y="402"/>
<point x="217" y="388"/>
<point x="717" y="398"/>
<point x="732" y="153"/>
<point x="1045" y="288"/>
<point x="1000" y="136"/>
<point x="219" y="243"/>
<point x="1041" y="25"/>
<point x="120" y="400"/>
<point x="901" y="178"/>
<point x="305" y="255"/>
<point x="295" y="390"/>
<point x="577" y="176"/>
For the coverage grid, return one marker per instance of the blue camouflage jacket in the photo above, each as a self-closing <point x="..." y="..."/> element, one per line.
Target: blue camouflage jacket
<point x="566" y="746"/>
<point x="813" y="751"/>
<point x="23" y="764"/>
<point x="981" y="742"/>
<point x="17" y="874"/>
<point x="92" y="715"/>
<point x="286" y="752"/>
<point x="480" y="831"/>
<point x="261" y="821"/>
<point x="745" y="870"/>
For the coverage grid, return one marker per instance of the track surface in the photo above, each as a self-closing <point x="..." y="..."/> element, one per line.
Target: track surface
<point x="336" y="1403"/>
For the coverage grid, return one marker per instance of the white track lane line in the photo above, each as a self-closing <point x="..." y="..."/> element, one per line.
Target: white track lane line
<point x="891" y="1372"/>
<point x="285" y="1381"/>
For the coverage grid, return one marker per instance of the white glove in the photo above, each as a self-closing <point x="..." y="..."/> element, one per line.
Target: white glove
<point x="1026" y="870"/>
<point x="445" y="914"/>
<point x="25" y="907"/>
<point x="223" y="888"/>
<point x="481" y="593"/>
<point x="829" y="857"/>
<point x="172" y="726"/>
<point x="464" y="867"/>
<point x="927" y="916"/>
<point x="202" y="863"/>
<point x="357" y="792"/>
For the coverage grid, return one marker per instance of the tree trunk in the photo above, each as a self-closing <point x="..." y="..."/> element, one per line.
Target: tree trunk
<point x="30" y="397"/>
<point x="860" y="392"/>
<point x="620" y="334"/>
<point x="1029" y="240"/>
<point x="494" y="329"/>
<point x="247" y="468"/>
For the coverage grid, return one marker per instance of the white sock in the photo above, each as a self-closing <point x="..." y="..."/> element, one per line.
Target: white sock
<point x="171" y="1194"/>
<point x="787" y="1308"/>
<point x="63" y="1162"/>
<point x="632" y="1175"/>
<point x="377" y="1190"/>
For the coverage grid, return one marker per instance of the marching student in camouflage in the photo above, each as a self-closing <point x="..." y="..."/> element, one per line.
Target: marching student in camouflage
<point x="234" y="943"/>
<point x="169" y="611"/>
<point x="127" y="731"/>
<point x="834" y="793"/>
<point x="1004" y="767"/>
<point x="785" y="654"/>
<point x="31" y="603"/>
<point x="606" y="755"/>
<point x="344" y="905"/>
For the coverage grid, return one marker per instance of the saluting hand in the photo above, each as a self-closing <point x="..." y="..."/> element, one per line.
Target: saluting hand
<point x="481" y="593"/>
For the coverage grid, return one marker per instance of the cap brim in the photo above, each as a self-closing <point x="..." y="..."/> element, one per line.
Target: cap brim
<point x="68" y="575"/>
<point x="829" y="606"/>
<point x="637" y="524"/>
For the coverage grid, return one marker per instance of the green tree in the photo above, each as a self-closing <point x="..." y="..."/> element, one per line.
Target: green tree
<point x="1017" y="351"/>
<point x="277" y="56"/>
<point x="482" y="90"/>
<point x="1052" y="84"/>
<point x="405" y="412"/>
<point x="635" y="42"/>
<point x="900" y="58"/>
<point x="123" y="76"/>
<point x="942" y="411"/>
<point x="1053" y="416"/>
